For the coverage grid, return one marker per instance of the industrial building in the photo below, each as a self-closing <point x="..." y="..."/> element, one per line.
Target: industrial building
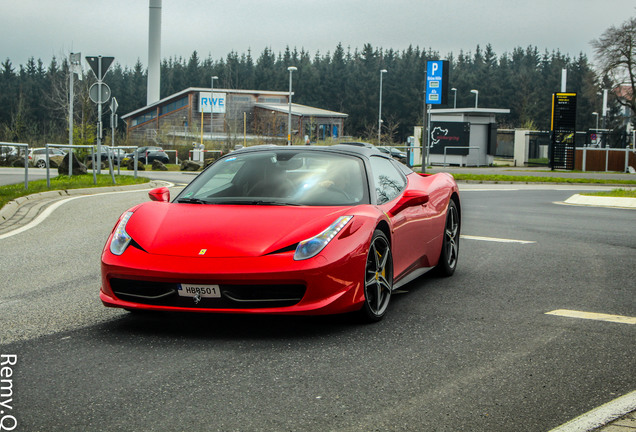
<point x="249" y="114"/>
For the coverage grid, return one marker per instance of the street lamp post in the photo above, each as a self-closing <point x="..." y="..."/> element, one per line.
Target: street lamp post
<point x="212" y="105"/>
<point x="383" y="71"/>
<point x="476" y="96"/>
<point x="75" y="66"/>
<point x="596" y="141"/>
<point x="291" y="70"/>
<point x="454" y="97"/>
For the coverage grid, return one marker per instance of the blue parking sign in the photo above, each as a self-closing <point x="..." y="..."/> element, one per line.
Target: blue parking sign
<point x="436" y="82"/>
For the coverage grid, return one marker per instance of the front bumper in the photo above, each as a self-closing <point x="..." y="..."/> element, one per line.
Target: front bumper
<point x="273" y="284"/>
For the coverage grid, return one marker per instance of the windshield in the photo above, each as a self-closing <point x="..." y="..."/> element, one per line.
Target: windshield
<point x="281" y="177"/>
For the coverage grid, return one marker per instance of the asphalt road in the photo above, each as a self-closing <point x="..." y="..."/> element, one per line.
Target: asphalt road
<point x="16" y="175"/>
<point x="473" y="352"/>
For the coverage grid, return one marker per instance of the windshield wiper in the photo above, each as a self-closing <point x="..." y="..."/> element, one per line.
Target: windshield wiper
<point x="253" y="202"/>
<point x="274" y="203"/>
<point x="192" y="201"/>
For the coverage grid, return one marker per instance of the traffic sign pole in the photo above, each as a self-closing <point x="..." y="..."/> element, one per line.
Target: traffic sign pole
<point x="99" y="65"/>
<point x="99" y="118"/>
<point x="113" y="124"/>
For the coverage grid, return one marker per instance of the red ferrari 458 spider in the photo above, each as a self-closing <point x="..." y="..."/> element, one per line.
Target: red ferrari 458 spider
<point x="285" y="230"/>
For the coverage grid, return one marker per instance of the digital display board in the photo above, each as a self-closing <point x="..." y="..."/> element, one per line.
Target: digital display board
<point x="563" y="127"/>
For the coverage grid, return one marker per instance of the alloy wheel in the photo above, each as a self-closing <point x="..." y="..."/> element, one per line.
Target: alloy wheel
<point x="378" y="277"/>
<point x="451" y="236"/>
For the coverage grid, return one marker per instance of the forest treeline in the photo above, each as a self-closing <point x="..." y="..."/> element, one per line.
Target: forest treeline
<point x="34" y="96"/>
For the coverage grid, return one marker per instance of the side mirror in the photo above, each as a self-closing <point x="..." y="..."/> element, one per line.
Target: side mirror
<point x="409" y="199"/>
<point x="161" y="194"/>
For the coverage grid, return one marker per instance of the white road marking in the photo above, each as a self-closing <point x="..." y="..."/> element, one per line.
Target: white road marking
<point x="50" y="209"/>
<point x="495" y="239"/>
<point x="41" y="217"/>
<point x="593" y="316"/>
<point x="600" y="416"/>
<point x="515" y="187"/>
<point x="487" y="190"/>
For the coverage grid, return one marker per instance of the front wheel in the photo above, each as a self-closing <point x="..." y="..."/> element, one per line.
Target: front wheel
<point x="450" y="246"/>
<point x="378" y="280"/>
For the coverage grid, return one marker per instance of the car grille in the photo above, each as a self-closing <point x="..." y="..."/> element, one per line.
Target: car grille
<point x="233" y="296"/>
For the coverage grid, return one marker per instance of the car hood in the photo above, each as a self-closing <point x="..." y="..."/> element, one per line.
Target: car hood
<point x="214" y="231"/>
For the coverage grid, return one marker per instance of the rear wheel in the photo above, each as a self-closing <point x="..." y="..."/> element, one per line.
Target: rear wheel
<point x="450" y="246"/>
<point x="41" y="163"/>
<point x="378" y="280"/>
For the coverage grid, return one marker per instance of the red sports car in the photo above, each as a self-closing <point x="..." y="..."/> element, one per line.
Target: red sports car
<point x="285" y="230"/>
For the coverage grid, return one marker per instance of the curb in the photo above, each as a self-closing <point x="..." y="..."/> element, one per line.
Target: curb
<point x="601" y="201"/>
<point x="611" y="416"/>
<point x="612" y="185"/>
<point x="12" y="207"/>
<point x="577" y="199"/>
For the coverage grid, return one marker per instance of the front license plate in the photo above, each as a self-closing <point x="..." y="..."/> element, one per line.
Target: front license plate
<point x="205" y="291"/>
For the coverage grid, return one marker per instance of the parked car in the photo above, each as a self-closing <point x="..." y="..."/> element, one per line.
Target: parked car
<point x="37" y="156"/>
<point x="149" y="154"/>
<point x="6" y="151"/>
<point x="119" y="154"/>
<point x="285" y="230"/>
<point x="116" y="154"/>
<point x="394" y="153"/>
<point x="103" y="156"/>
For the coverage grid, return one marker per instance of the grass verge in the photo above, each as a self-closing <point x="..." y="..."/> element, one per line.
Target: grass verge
<point x="620" y="193"/>
<point x="11" y="192"/>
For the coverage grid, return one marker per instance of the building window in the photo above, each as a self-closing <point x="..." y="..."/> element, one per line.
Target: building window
<point x="272" y="99"/>
<point x="173" y="106"/>
<point x="144" y="118"/>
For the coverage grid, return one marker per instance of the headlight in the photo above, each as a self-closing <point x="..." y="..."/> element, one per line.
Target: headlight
<point x="312" y="246"/>
<point x="121" y="239"/>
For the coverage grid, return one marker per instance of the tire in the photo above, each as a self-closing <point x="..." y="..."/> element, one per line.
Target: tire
<point x="378" y="278"/>
<point x="450" y="245"/>
<point x="41" y="163"/>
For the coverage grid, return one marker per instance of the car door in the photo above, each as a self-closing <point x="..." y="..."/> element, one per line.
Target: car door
<point x="389" y="184"/>
<point x="409" y="226"/>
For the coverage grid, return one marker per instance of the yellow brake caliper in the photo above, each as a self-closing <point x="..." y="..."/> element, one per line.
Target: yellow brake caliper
<point x="377" y="274"/>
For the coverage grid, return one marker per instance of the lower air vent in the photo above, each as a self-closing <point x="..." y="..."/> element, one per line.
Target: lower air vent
<point x="232" y="296"/>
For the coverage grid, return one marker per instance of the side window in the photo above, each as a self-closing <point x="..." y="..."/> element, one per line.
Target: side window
<point x="389" y="181"/>
<point x="403" y="168"/>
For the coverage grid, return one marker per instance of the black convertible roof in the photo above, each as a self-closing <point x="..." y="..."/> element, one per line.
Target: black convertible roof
<point x="365" y="149"/>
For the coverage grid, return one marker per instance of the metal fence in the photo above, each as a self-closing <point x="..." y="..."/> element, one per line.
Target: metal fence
<point x="26" y="158"/>
<point x="70" y="148"/>
<point x="539" y="143"/>
<point x="70" y="161"/>
<point x="606" y="159"/>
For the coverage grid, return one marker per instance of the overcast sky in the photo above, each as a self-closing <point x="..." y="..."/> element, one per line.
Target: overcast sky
<point x="119" y="28"/>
